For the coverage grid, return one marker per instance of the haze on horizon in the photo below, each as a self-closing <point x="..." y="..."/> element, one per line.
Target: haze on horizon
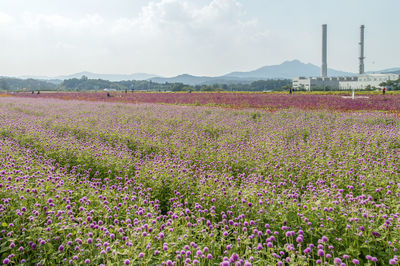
<point x="202" y="37"/>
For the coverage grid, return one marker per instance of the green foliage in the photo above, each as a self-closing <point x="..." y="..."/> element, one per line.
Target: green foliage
<point x="15" y="84"/>
<point x="391" y="84"/>
<point x="85" y="84"/>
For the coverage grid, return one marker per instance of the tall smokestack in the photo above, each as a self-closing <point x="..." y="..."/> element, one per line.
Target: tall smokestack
<point x="324" y="67"/>
<point x="361" y="69"/>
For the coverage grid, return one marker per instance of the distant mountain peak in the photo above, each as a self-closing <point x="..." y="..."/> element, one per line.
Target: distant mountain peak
<point x="287" y="70"/>
<point x="185" y="75"/>
<point x="294" y="61"/>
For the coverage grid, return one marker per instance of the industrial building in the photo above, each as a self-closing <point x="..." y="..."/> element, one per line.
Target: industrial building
<point x="360" y="82"/>
<point x="364" y="81"/>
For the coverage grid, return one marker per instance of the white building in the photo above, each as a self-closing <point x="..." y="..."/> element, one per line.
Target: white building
<point x="303" y="83"/>
<point x="360" y="82"/>
<point x="365" y="80"/>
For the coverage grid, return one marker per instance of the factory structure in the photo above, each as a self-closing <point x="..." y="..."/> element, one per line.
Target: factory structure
<point x="360" y="82"/>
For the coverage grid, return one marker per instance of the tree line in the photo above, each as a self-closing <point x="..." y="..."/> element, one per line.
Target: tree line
<point x="15" y="84"/>
<point x="86" y="84"/>
<point x="391" y="84"/>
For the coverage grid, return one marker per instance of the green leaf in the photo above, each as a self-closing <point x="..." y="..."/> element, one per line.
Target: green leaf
<point x="3" y="250"/>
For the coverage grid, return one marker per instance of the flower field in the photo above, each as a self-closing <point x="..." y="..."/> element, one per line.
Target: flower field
<point x="89" y="182"/>
<point x="272" y="101"/>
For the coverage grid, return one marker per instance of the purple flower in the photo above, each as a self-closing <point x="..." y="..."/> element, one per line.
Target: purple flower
<point x="234" y="257"/>
<point x="6" y="261"/>
<point x="320" y="253"/>
<point x="376" y="234"/>
<point x="141" y="255"/>
<point x="126" y="262"/>
<point x="87" y="261"/>
<point x="356" y="261"/>
<point x="337" y="260"/>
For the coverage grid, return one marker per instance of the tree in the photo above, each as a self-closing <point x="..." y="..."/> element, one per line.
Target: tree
<point x="177" y="86"/>
<point x="4" y="85"/>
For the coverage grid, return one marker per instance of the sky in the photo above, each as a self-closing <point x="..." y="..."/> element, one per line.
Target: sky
<point x="199" y="37"/>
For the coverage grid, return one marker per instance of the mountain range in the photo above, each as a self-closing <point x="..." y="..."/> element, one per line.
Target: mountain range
<point x="395" y="70"/>
<point x="285" y="70"/>
<point x="110" y="77"/>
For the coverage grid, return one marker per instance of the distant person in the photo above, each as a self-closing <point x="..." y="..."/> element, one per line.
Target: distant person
<point x="290" y="90"/>
<point x="38" y="92"/>
<point x="126" y="91"/>
<point x="108" y="94"/>
<point x="383" y="90"/>
<point x="33" y="92"/>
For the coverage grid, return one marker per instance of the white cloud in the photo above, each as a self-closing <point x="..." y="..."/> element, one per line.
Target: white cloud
<point x="166" y="37"/>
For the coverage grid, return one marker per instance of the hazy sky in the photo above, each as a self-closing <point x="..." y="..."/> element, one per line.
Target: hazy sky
<point x="200" y="37"/>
